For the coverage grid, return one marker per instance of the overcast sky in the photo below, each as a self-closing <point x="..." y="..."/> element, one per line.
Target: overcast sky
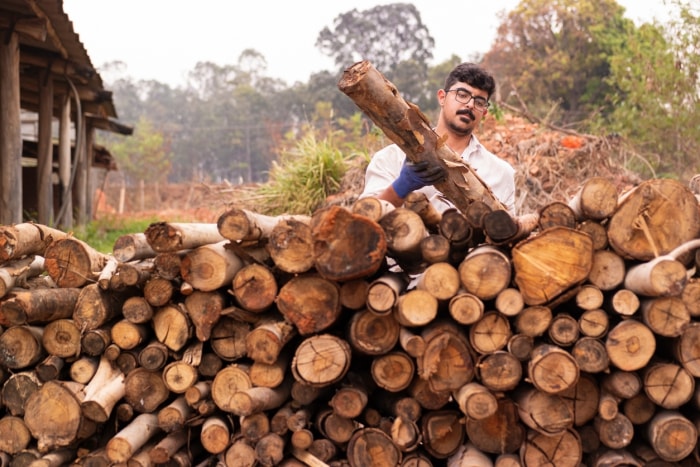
<point x="164" y="39"/>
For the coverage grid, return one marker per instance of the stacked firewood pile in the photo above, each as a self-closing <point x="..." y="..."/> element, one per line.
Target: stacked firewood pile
<point x="365" y="336"/>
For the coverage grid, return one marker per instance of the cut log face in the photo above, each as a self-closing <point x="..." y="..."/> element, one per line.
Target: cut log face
<point x="310" y="302"/>
<point x="654" y="218"/>
<point x="550" y="263"/>
<point x="347" y="246"/>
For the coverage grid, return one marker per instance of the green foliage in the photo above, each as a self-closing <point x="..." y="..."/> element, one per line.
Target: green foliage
<point x="658" y="72"/>
<point x="313" y="165"/>
<point x="393" y="37"/>
<point x="101" y="233"/>
<point x="145" y="155"/>
<point x="552" y="58"/>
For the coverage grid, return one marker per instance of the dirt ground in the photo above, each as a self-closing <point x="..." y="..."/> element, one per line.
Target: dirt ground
<point x="550" y="166"/>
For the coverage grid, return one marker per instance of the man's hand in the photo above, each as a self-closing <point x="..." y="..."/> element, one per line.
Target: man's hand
<point x="416" y="175"/>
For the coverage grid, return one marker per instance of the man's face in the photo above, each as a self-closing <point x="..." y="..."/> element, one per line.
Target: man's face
<point x="463" y="107"/>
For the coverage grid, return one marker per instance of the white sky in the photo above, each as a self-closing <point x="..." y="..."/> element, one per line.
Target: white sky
<point x="164" y="39"/>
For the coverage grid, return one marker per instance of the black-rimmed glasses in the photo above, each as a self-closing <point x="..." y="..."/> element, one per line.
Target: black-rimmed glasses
<point x="463" y="96"/>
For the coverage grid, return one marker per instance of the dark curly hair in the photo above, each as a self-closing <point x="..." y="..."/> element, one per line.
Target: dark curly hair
<point x="473" y="75"/>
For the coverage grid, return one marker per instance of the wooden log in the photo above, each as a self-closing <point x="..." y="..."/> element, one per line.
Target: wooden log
<point x="83" y="369"/>
<point x="415" y="308"/>
<point x="607" y="271"/>
<point x="662" y="276"/>
<point x="17" y="389"/>
<point x="499" y="371"/>
<point x="412" y="344"/>
<point x="563" y="330"/>
<point x="14" y="434"/>
<point x="668" y="385"/>
<point x="383" y="292"/>
<point x="475" y="401"/>
<point x="172" y="327"/>
<point x="133" y="274"/>
<point x="310" y="302"/>
<point x="406" y="126"/>
<point x="53" y="416"/>
<point x="597" y="232"/>
<point x="179" y="376"/>
<point x="241" y="452"/>
<point x="371" y="446"/>
<point x="550" y="263"/>
<point x="509" y="301"/>
<point x="501" y="432"/>
<point x="630" y="345"/>
<point x="321" y="360"/>
<point x="264" y="343"/>
<point x="96" y="307"/>
<point x="167" y="264"/>
<point x="25" y="239"/>
<point x="20" y="347"/>
<point x="638" y="229"/>
<point x="270" y="375"/>
<point x="466" y="308"/>
<point x="441" y="280"/>
<point x="671" y="435"/>
<point x="133" y="246"/>
<point x="594" y="323"/>
<point x="291" y="246"/>
<point x="552" y="369"/>
<point x="269" y="450"/>
<point x="228" y="338"/>
<point x="177" y="236"/>
<point x="128" y="335"/>
<point x="595" y="199"/>
<point x="257" y="399"/>
<point x="230" y="379"/>
<point x="255" y="287"/>
<point x="372" y="334"/>
<point x="132" y="437"/>
<point x="373" y="208"/>
<point x="468" y="454"/>
<point x="490" y="333"/>
<point x="485" y="272"/>
<point x="502" y="229"/>
<point x="73" y="263"/>
<point x="38" y="306"/>
<point x="404" y="231"/>
<point x="547" y="413"/>
<point x="204" y="310"/>
<point x="55" y="458"/>
<point x="442" y="432"/>
<point x="17" y="272"/>
<point x="175" y="415"/>
<point x="243" y="225"/>
<point x="562" y="450"/>
<point x="145" y="390"/>
<point x="62" y="338"/>
<point x="520" y="346"/>
<point x="393" y="371"/>
<point x="347" y="246"/>
<point x="616" y="433"/>
<point x="625" y="302"/>
<point x="447" y="363"/>
<point x="665" y="316"/>
<point x="103" y="392"/>
<point x="590" y="355"/>
<point x="533" y="320"/>
<point x="50" y="368"/>
<point x="556" y="214"/>
<point x="209" y="267"/>
<point x="435" y="248"/>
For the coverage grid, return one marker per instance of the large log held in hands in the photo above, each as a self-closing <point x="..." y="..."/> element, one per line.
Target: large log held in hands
<point x="405" y="125"/>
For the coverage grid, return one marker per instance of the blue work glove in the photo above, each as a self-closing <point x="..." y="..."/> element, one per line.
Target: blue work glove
<point x="416" y="175"/>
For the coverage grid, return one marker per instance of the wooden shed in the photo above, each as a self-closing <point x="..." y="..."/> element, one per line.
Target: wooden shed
<point x="46" y="75"/>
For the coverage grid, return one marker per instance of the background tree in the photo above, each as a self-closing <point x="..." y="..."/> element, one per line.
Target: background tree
<point x="552" y="58"/>
<point x="387" y="35"/>
<point x="659" y="73"/>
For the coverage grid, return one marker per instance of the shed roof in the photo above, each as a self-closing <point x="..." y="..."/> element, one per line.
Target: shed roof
<point x="60" y="51"/>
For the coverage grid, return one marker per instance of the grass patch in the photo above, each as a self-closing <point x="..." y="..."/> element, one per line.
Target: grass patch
<point x="101" y="234"/>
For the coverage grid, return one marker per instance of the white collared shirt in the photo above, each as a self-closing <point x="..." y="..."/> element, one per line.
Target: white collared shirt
<point x="498" y="174"/>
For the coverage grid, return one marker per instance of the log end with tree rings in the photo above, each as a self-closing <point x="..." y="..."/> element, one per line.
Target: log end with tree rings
<point x="485" y="272"/>
<point x="347" y="246"/>
<point x="552" y="369"/>
<point x="654" y="218"/>
<point x="255" y="287"/>
<point x="310" y="302"/>
<point x="630" y="345"/>
<point x="562" y="450"/>
<point x="321" y="360"/>
<point x="548" y="264"/>
<point x="373" y="334"/>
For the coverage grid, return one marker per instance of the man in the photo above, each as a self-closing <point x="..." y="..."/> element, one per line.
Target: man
<point x="464" y="101"/>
